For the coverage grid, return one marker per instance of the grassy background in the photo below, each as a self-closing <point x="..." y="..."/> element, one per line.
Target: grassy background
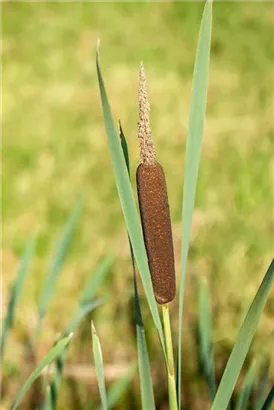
<point x="54" y="147"/>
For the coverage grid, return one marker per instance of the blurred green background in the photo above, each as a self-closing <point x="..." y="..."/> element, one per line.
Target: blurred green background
<point x="54" y="147"/>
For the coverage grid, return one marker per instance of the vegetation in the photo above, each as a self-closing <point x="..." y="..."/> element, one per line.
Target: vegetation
<point x="52" y="133"/>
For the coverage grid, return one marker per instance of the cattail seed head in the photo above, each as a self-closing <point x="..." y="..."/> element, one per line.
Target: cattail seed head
<point x="154" y="207"/>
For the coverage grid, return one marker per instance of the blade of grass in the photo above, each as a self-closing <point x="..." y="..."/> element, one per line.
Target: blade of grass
<point x="96" y="280"/>
<point x="98" y="359"/>
<point x="245" y="391"/>
<point x="128" y="204"/>
<point x="262" y="386"/>
<point x="245" y="336"/>
<point x="118" y="388"/>
<point x="83" y="311"/>
<point x="54" y="386"/>
<point x="52" y="354"/>
<point x="205" y="336"/>
<point x="85" y="306"/>
<point x="57" y="261"/>
<point x="146" y="386"/>
<point x="193" y="151"/>
<point x="269" y="400"/>
<point x="16" y="292"/>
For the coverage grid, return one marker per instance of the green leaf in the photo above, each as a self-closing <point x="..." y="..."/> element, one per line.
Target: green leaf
<point x="16" y="291"/>
<point x="205" y="337"/>
<point x="58" y="260"/>
<point x="118" y="388"/>
<point x="98" y="359"/>
<point x="269" y="400"/>
<point x="193" y="152"/>
<point x="128" y="204"/>
<point x="54" y="387"/>
<point x="262" y="386"/>
<point x="245" y="391"/>
<point x="96" y="280"/>
<point x="83" y="309"/>
<point x="124" y="147"/>
<point x="243" y="342"/>
<point x="52" y="354"/>
<point x="146" y="386"/>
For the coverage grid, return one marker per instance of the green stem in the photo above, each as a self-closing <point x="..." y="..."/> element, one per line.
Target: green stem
<point x="170" y="361"/>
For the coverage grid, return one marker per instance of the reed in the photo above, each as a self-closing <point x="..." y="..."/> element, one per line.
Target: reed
<point x="154" y="206"/>
<point x="156" y="225"/>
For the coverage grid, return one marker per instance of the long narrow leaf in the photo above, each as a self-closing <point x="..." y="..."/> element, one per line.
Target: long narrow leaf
<point x="54" y="386"/>
<point x="52" y="354"/>
<point x="205" y="338"/>
<point x="193" y="151"/>
<point x="85" y="306"/>
<point x="146" y="386"/>
<point x="245" y="391"/>
<point x="262" y="386"/>
<point x="16" y="291"/>
<point x="128" y="203"/>
<point x="269" y="400"/>
<point x="95" y="280"/>
<point x="118" y="388"/>
<point x="98" y="359"/>
<point x="243" y="342"/>
<point x="58" y="260"/>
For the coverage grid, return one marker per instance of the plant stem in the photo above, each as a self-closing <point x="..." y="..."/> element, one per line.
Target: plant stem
<point x="170" y="361"/>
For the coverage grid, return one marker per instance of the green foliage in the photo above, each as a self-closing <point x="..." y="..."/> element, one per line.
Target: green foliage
<point x="193" y="151"/>
<point x="248" y="188"/>
<point x="269" y="400"/>
<point x="16" y="291"/>
<point x="52" y="354"/>
<point x="243" y="397"/>
<point x="85" y="305"/>
<point x="243" y="342"/>
<point x="58" y="260"/>
<point x="205" y="337"/>
<point x="98" y="359"/>
<point x="262" y="386"/>
<point x="96" y="280"/>
<point x="119" y="387"/>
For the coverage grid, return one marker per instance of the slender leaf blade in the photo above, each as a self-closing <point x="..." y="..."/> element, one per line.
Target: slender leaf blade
<point x="58" y="259"/>
<point x="85" y="306"/>
<point x="245" y="391"/>
<point x="193" y="151"/>
<point x="52" y="354"/>
<point x="98" y="359"/>
<point x="205" y="336"/>
<point x="262" y="386"/>
<point x="83" y="311"/>
<point x="243" y="342"/>
<point x="269" y="400"/>
<point x="16" y="291"/>
<point x="95" y="280"/>
<point x="119" y="387"/>
<point x="128" y="203"/>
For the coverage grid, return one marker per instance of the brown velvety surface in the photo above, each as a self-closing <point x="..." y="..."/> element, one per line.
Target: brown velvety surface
<point x="154" y="209"/>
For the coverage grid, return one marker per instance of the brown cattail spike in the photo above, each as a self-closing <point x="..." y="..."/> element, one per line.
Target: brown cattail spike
<point x="154" y="208"/>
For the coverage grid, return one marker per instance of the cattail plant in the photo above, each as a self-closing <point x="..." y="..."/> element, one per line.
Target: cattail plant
<point x="155" y="218"/>
<point x="154" y="207"/>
